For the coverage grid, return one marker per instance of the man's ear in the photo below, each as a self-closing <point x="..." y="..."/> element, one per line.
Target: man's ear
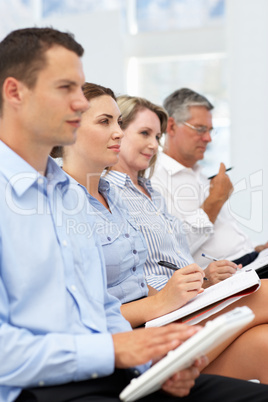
<point x="171" y="126"/>
<point x="12" y="90"/>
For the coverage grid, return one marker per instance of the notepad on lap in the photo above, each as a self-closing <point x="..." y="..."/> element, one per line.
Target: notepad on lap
<point x="210" y="336"/>
<point x="260" y="264"/>
<point x="212" y="300"/>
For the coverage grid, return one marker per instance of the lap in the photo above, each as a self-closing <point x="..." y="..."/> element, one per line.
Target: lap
<point x="207" y="387"/>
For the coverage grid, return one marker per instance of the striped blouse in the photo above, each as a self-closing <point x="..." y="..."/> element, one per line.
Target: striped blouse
<point x="163" y="232"/>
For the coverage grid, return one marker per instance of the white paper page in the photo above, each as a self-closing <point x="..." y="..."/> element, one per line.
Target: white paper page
<point x="234" y="284"/>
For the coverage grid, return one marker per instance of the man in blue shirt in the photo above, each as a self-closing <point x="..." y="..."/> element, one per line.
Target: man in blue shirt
<point x="62" y="337"/>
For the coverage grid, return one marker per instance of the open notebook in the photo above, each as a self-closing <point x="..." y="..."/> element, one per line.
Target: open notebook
<point x="212" y="300"/>
<point x="210" y="336"/>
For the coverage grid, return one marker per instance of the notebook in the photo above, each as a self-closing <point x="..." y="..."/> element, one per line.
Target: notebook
<point x="212" y="300"/>
<point x="260" y="264"/>
<point x="210" y="336"/>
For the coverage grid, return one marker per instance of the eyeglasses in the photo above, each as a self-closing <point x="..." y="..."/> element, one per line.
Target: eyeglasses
<point x="201" y="130"/>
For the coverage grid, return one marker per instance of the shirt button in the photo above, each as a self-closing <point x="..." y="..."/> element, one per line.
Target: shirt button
<point x="134" y="251"/>
<point x="127" y="235"/>
<point x="142" y="285"/>
<point x="136" y="372"/>
<point x="108" y="238"/>
<point x="94" y="375"/>
<point x="73" y="287"/>
<point x="41" y="383"/>
<point x="134" y="269"/>
<point x="40" y="180"/>
<point x="64" y="243"/>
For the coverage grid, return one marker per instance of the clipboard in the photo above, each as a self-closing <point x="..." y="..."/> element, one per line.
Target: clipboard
<point x="211" y="335"/>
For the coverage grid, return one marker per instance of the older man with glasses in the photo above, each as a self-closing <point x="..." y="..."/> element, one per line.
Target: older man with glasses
<point x="199" y="202"/>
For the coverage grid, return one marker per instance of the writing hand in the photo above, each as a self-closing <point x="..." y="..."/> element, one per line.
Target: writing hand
<point x="217" y="271"/>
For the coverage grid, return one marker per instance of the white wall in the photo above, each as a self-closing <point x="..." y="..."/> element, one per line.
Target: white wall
<point x="247" y="49"/>
<point x="101" y="36"/>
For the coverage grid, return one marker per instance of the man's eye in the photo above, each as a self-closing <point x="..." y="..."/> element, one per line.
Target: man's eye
<point x="202" y="129"/>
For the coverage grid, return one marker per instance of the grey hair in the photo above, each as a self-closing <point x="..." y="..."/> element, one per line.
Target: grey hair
<point x="178" y="103"/>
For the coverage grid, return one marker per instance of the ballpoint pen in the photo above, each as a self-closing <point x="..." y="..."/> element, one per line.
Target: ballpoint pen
<point x="168" y="265"/>
<point x="209" y="257"/>
<point x="172" y="266"/>
<point x="227" y="170"/>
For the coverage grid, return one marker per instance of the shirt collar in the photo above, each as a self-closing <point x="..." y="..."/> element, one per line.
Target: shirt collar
<point x="118" y="178"/>
<point x="104" y="185"/>
<point x="122" y="179"/>
<point x="172" y="166"/>
<point x="21" y="175"/>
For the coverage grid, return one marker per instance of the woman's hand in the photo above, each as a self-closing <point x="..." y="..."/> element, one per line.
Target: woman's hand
<point x="184" y="284"/>
<point x="217" y="271"/>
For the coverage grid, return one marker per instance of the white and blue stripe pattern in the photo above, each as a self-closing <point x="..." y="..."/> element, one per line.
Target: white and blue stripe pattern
<point x="163" y="232"/>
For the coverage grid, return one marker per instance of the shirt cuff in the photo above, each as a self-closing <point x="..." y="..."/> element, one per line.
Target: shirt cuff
<point x="95" y="356"/>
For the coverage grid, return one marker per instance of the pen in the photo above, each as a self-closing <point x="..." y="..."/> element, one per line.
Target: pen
<point x="168" y="265"/>
<point x="212" y="177"/>
<point x="209" y="257"/>
<point x="172" y="266"/>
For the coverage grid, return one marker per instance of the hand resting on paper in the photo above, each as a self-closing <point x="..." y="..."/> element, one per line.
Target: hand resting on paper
<point x="142" y="345"/>
<point x="218" y="271"/>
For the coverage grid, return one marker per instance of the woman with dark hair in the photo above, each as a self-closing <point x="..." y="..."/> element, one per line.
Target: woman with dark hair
<point x="125" y="250"/>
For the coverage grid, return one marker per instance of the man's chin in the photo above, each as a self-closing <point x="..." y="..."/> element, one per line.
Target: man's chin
<point x="200" y="156"/>
<point x="70" y="140"/>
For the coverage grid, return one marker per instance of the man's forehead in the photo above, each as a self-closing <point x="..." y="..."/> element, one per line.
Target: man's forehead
<point x="200" y="112"/>
<point x="63" y="64"/>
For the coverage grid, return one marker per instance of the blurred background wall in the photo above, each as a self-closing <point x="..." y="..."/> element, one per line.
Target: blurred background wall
<point x="152" y="47"/>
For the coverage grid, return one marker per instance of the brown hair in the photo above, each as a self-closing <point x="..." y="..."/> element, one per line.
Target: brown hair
<point x="22" y="53"/>
<point x="90" y="91"/>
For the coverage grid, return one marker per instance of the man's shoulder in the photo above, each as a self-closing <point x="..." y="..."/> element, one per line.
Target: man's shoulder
<point x="168" y="163"/>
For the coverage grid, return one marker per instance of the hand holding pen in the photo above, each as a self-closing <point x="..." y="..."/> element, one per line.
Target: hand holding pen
<point x="184" y="284"/>
<point x="226" y="170"/>
<point x="172" y="266"/>
<point x="219" y="270"/>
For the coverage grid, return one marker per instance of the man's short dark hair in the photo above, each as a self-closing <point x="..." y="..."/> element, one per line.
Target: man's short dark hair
<point x="178" y="103"/>
<point x="22" y="53"/>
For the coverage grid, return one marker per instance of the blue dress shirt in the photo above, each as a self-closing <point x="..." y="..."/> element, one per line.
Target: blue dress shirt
<point x="163" y="232"/>
<point x="55" y="313"/>
<point x="123" y="245"/>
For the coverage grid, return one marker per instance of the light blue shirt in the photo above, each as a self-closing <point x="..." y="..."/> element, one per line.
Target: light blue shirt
<point x="55" y="313"/>
<point x="163" y="232"/>
<point x="123" y="245"/>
